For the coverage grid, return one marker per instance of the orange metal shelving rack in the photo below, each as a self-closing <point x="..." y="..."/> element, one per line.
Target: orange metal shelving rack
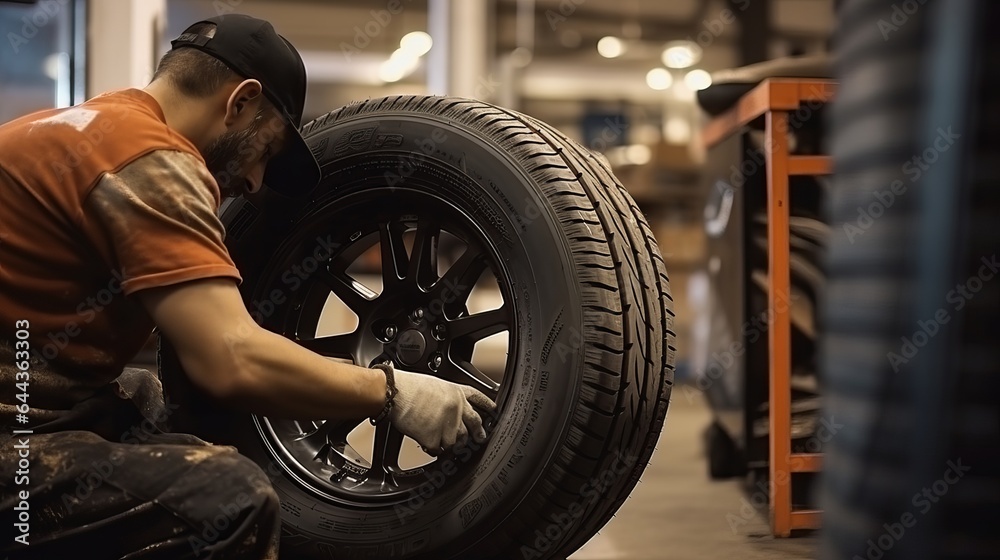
<point x="775" y="99"/>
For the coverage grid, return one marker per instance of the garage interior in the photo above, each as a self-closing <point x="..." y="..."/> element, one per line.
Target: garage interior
<point x="739" y="128"/>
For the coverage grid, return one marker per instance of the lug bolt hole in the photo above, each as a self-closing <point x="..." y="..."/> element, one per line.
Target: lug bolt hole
<point x="389" y="332"/>
<point x="440" y="332"/>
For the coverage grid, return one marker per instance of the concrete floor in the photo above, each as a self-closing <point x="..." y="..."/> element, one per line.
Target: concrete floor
<point x="677" y="513"/>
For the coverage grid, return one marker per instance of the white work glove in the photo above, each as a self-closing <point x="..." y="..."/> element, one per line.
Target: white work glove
<point x="436" y="413"/>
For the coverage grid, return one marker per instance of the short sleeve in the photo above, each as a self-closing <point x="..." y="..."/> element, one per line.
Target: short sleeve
<point x="156" y="221"/>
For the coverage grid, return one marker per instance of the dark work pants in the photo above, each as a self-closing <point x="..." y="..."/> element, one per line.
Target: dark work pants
<point x="156" y="496"/>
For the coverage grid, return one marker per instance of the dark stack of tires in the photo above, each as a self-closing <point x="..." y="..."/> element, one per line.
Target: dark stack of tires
<point x="910" y="354"/>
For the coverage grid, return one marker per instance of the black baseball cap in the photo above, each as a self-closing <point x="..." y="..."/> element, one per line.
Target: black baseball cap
<point x="254" y="50"/>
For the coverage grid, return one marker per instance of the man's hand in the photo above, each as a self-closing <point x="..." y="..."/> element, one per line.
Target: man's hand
<point x="438" y="414"/>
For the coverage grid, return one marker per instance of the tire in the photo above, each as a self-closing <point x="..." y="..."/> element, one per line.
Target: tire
<point x="915" y="416"/>
<point x="589" y="369"/>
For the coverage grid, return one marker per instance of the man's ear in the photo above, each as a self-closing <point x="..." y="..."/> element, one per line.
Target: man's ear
<point x="244" y="100"/>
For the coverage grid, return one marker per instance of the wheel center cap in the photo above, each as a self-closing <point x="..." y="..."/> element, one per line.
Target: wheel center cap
<point x="411" y="346"/>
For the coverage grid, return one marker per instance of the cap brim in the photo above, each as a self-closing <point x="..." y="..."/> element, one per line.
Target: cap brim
<point x="294" y="171"/>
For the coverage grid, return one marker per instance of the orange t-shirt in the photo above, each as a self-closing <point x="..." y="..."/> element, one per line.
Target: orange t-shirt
<point x="97" y="202"/>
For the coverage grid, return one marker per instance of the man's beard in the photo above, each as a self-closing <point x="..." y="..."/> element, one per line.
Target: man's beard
<point x="229" y="150"/>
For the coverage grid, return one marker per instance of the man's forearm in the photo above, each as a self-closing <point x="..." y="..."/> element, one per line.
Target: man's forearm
<point x="229" y="356"/>
<point x="280" y="378"/>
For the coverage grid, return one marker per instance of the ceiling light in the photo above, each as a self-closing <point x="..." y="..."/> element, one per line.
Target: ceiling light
<point x="610" y="47"/>
<point x="389" y="72"/>
<point x="400" y="64"/>
<point x="417" y="43"/>
<point x="697" y="79"/>
<point x="405" y="59"/>
<point x="681" y="54"/>
<point x="659" y="78"/>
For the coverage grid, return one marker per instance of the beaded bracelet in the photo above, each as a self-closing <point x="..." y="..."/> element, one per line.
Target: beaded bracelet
<point x="390" y="392"/>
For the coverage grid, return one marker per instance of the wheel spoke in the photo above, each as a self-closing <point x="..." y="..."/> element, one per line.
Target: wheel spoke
<point x="307" y="427"/>
<point x="309" y="303"/>
<point x="337" y="346"/>
<point x="345" y="288"/>
<point x="341" y="454"/>
<point x="394" y="259"/>
<point x="457" y="283"/>
<point x="326" y="433"/>
<point x="388" y="445"/>
<point x="464" y="372"/>
<point x="422" y="268"/>
<point x="340" y="430"/>
<point x="316" y="437"/>
<point x="337" y="451"/>
<point x="479" y="325"/>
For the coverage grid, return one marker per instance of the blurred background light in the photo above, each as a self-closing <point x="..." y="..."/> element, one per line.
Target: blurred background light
<point x="659" y="78"/>
<point x="681" y="54"/>
<point x="400" y="64"/>
<point x="610" y="47"/>
<point x="416" y="43"/>
<point x="53" y="65"/>
<point x="406" y="59"/>
<point x="638" y="154"/>
<point x="678" y="130"/>
<point x="697" y="79"/>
